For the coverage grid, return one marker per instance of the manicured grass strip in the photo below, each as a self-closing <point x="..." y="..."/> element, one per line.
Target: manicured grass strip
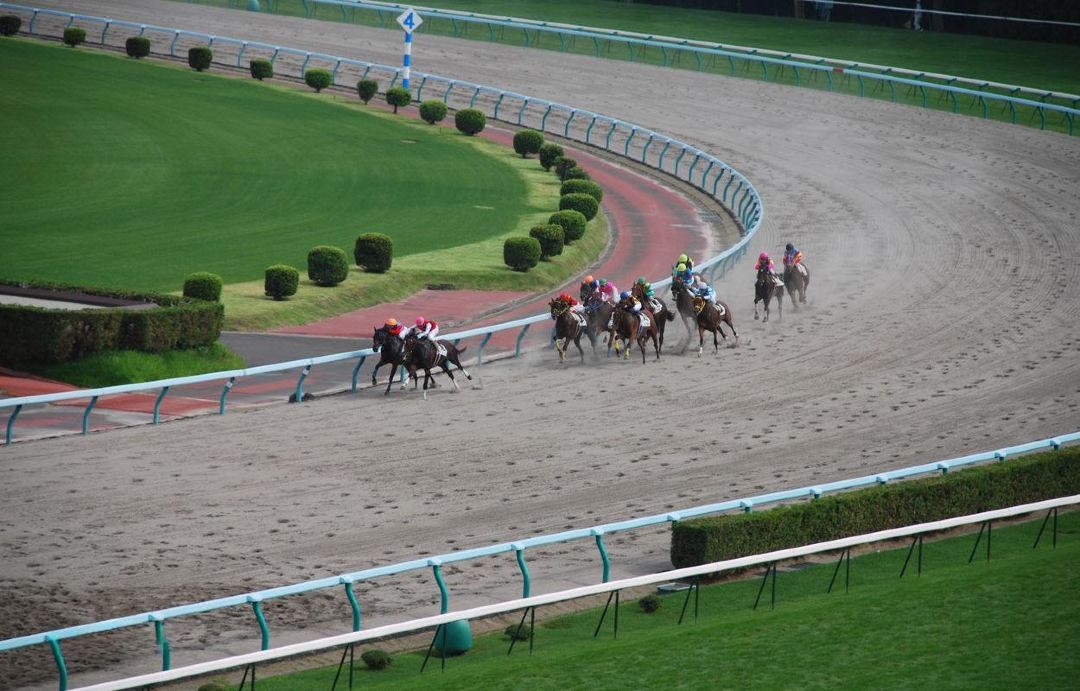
<point x="1002" y="624"/>
<point x="130" y="366"/>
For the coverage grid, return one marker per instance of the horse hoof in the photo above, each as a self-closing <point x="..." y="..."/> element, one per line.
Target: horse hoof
<point x="756" y="317"/>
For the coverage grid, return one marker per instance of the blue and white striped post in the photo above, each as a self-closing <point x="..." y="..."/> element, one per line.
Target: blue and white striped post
<point x="409" y="21"/>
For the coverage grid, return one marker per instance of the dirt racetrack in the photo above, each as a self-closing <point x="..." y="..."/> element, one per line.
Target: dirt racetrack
<point x="942" y="320"/>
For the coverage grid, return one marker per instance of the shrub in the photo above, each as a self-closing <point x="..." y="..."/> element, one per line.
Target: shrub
<point x="433" y="111"/>
<point x="73" y="36"/>
<point x="327" y="266"/>
<point x="528" y="142"/>
<point x="199" y="58"/>
<point x="551" y="239"/>
<point x="574" y="173"/>
<point x="649" y="604"/>
<point x="470" y="121"/>
<point x="137" y="46"/>
<point x="549" y="153"/>
<point x="398" y="96"/>
<point x="563" y="164"/>
<point x="521" y="253"/>
<point x="318" y="79"/>
<point x="518" y="633"/>
<point x="366" y="89"/>
<point x="374" y="252"/>
<point x="203" y="286"/>
<point x="572" y="222"/>
<point x="587" y="186"/>
<point x="10" y="25"/>
<point x="579" y="201"/>
<point x="262" y="69"/>
<point x="281" y="281"/>
<point x="376" y="659"/>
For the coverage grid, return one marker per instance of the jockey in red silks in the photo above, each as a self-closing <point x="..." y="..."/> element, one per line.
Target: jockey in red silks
<point x="792" y="256"/>
<point x="764" y="262"/>
<point x="393" y="328"/>
<point x="425" y="328"/>
<point x="607" y="290"/>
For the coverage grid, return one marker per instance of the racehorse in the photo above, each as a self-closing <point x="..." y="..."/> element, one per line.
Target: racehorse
<point x="627" y="327"/>
<point x="569" y="326"/>
<point x="684" y="303"/>
<point x="423" y="354"/>
<point x="663" y="315"/>
<point x="709" y="318"/>
<point x="797" y="280"/>
<point x="391" y="352"/>
<point x="765" y="289"/>
<point x="598" y="315"/>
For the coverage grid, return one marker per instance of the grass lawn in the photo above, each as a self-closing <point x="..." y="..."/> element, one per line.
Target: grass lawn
<point x="1004" y="624"/>
<point x="131" y="366"/>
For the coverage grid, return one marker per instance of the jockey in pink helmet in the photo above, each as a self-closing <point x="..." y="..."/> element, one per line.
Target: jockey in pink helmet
<point x="764" y="262"/>
<point x="425" y="328"/>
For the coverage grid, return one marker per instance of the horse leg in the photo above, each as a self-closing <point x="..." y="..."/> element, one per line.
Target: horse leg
<point x="457" y="362"/>
<point x="700" y="339"/>
<point x="780" y="306"/>
<point x="755" y="307"/>
<point x="390" y="381"/>
<point x="656" y="341"/>
<point x="559" y="348"/>
<point x="577" y="342"/>
<point x="446" y="368"/>
<point x="376" y="371"/>
<point x="716" y="343"/>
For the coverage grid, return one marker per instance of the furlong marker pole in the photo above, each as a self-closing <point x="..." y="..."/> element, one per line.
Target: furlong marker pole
<point x="407" y="58"/>
<point x="409" y="21"/>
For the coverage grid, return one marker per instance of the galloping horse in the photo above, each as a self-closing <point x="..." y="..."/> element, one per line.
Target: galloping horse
<point x="627" y="327"/>
<point x="709" y="318"/>
<point x="597" y="314"/>
<point x="423" y="354"/>
<point x="684" y="303"/>
<point x="765" y="289"/>
<point x="569" y="327"/>
<point x="797" y="280"/>
<point x="663" y="315"/>
<point x="391" y="352"/>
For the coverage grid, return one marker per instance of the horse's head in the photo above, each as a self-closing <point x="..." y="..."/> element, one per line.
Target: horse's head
<point x="379" y="337"/>
<point x="699" y="304"/>
<point x="558" y="307"/>
<point x="586" y="292"/>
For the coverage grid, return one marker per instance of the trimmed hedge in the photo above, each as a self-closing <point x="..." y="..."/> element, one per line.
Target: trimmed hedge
<point x="203" y="285"/>
<point x="983" y="488"/>
<point x="374" y="252"/>
<point x="10" y="25"/>
<point x="579" y="201"/>
<point x="137" y="47"/>
<point x="262" y="69"/>
<point x="470" y="121"/>
<point x="521" y="253"/>
<point x="200" y="58"/>
<point x="398" y="96"/>
<point x="549" y="153"/>
<point x="563" y="164"/>
<point x="587" y="186"/>
<point x="575" y="173"/>
<point x="551" y="239"/>
<point x="433" y="111"/>
<point x="281" y="281"/>
<point x="376" y="659"/>
<point x="327" y="265"/>
<point x="572" y="222"/>
<point x="73" y="36"/>
<point x="528" y="142"/>
<point x="366" y="89"/>
<point x="318" y="79"/>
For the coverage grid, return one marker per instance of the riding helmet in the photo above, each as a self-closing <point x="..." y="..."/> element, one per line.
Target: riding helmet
<point x="625" y="294"/>
<point x="420" y="321"/>
<point x="641" y="280"/>
<point x="588" y="279"/>
<point x="681" y="267"/>
<point x="391" y="322"/>
<point x="683" y="258"/>
<point x="763" y="255"/>
<point x="789" y="247"/>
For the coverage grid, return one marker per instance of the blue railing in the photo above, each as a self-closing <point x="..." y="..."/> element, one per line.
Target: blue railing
<point x="704" y="171"/>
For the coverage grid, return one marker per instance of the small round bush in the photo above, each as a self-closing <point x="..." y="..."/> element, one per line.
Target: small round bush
<point x="398" y="96"/>
<point x="574" y="173"/>
<point x="10" y="25"/>
<point x="281" y="281"/>
<point x="551" y="239"/>
<point x="199" y="58"/>
<point x="521" y="253"/>
<point x="73" y="36"/>
<point x="518" y="633"/>
<point x="137" y="46"/>
<point x="470" y="121"/>
<point x="572" y="222"/>
<point x="366" y="89"/>
<point x="374" y="252"/>
<point x="376" y="659"/>
<point x="327" y="266"/>
<point x="587" y="186"/>
<point x="262" y="69"/>
<point x="528" y="142"/>
<point x="203" y="286"/>
<point x="563" y="164"/>
<point x="433" y="111"/>
<point x="579" y="201"/>
<point x="318" y="79"/>
<point x="549" y="153"/>
<point x="649" y="604"/>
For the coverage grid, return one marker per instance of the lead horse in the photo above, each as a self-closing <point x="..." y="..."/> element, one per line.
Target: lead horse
<point x="684" y="303"/>
<point x="391" y="352"/>
<point x="424" y="354"/>
<point x="569" y="326"/>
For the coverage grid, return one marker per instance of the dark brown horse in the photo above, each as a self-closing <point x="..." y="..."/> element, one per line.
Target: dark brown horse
<point x="766" y="289"/>
<point x="598" y="315"/>
<point x="684" y="304"/>
<point x="568" y="327"/>
<point x="423" y="354"/>
<point x="797" y="278"/>
<point x="709" y="318"/>
<point x="391" y="352"/>
<point x="661" y="311"/>
<point x="628" y="326"/>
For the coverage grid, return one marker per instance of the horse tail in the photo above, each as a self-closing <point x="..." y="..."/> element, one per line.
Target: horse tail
<point x="670" y="315"/>
<point x="462" y="349"/>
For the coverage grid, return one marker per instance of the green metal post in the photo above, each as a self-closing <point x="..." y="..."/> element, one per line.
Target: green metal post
<point x="444" y="606"/>
<point x="705" y="175"/>
<point x="525" y="583"/>
<point x="225" y="392"/>
<point x="354" y="604"/>
<point x="626" y="146"/>
<point x="480" y="350"/>
<point x="11" y="424"/>
<point x="300" y="383"/>
<point x="678" y="159"/>
<point x="86" y="416"/>
<point x="588" y="130"/>
<point x="303" y="68"/>
<point x="446" y="94"/>
<point x="356" y="370"/>
<point x="607" y="142"/>
<point x="264" y="630"/>
<point x="172" y="46"/>
<point x="240" y="55"/>
<point x="543" y="119"/>
<point x="521" y="111"/>
<point x="693" y="164"/>
<point x="645" y="149"/>
<point x="419" y="90"/>
<point x="603" y="556"/>
<point x="61" y="666"/>
<point x="157" y="403"/>
<point x="517" y="346"/>
<point x="663" y="151"/>
<point x="502" y="95"/>
<point x="476" y="94"/>
<point x="716" y="182"/>
<point x="166" y="652"/>
<point x="566" y="128"/>
<point x="105" y="30"/>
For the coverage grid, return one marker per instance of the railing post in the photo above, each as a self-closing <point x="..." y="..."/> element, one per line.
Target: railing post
<point x="607" y="142"/>
<point x="678" y="159"/>
<point x="444" y="595"/>
<point x="446" y="94"/>
<point x="566" y="128"/>
<point x="157" y="403"/>
<point x="264" y="630"/>
<point x="86" y="415"/>
<point x="172" y="46"/>
<point x="225" y="392"/>
<point x="300" y="384"/>
<point x="61" y="666"/>
<point x="498" y="103"/>
<point x="526" y="586"/>
<point x="480" y="350"/>
<point x="645" y="149"/>
<point x="163" y="641"/>
<point x="11" y="424"/>
<point x="543" y="119"/>
<point x="517" y="345"/>
<point x="354" y="604"/>
<point x="603" y="554"/>
<point x="356" y="370"/>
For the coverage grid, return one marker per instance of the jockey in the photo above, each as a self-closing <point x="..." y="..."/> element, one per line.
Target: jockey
<point x="647" y="289"/>
<point x="574" y="305"/>
<point x="607" y="289"/>
<point x="635" y="304"/>
<point x="702" y="289"/>
<point x="393" y="328"/>
<point x="425" y="328"/>
<point x="792" y="256"/>
<point x="684" y="274"/>
<point x="763" y="262"/>
<point x="683" y="259"/>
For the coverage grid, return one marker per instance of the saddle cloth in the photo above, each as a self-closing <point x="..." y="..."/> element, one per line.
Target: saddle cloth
<point x="645" y="323"/>
<point x="720" y="309"/>
<point x="656" y="306"/>
<point x="440" y="348"/>
<point x="581" y="321"/>
<point x="778" y="282"/>
<point x="801" y="269"/>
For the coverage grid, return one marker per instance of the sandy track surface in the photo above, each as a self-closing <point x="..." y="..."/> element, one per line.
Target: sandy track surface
<point x="942" y="317"/>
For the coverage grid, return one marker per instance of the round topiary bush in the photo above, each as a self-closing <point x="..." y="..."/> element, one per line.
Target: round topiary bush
<point x="528" y="142"/>
<point x="73" y="36"/>
<point x="327" y="265"/>
<point x="521" y="253"/>
<point x="518" y="633"/>
<point x="318" y="79"/>
<point x="649" y="604"/>
<point x="433" y="111"/>
<point x="10" y="25"/>
<point x="199" y="58"/>
<point x="262" y="69"/>
<point x="203" y="285"/>
<point x="366" y="89"/>
<point x="579" y="201"/>
<point x="575" y="173"/>
<point x="572" y="222"/>
<point x="551" y="238"/>
<point x="587" y="186"/>
<point x="281" y="281"/>
<point x="549" y="153"/>
<point x="376" y="659"/>
<point x="470" y="121"/>
<point x="137" y="46"/>
<point x="563" y="164"/>
<point x="398" y="96"/>
<point x="374" y="252"/>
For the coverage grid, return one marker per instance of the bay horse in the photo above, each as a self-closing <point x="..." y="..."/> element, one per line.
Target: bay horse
<point x="766" y="289"/>
<point x="391" y="351"/>
<point x="422" y="354"/>
<point x="627" y="327"/>
<point x="684" y="304"/>
<point x="597" y="315"/>
<point x="569" y="327"/>
<point x="709" y="318"/>
<point x="663" y="315"/>
<point x="797" y="280"/>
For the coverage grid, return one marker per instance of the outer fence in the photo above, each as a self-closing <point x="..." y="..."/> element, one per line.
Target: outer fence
<point x="864" y="79"/>
<point x="530" y="603"/>
<point x="347" y="581"/>
<point x="685" y="162"/>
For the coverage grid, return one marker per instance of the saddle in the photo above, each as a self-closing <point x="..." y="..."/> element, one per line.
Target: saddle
<point x="580" y="318"/>
<point x="645" y="321"/>
<point x="440" y="349"/>
<point x="777" y="281"/>
<point x="656" y="305"/>
<point x="801" y="269"/>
